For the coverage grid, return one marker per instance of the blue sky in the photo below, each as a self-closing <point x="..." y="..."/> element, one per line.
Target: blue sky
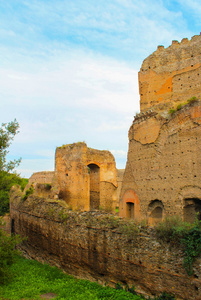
<point x="68" y="70"/>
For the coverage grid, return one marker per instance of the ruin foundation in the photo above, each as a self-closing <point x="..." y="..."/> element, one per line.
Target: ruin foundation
<point x="95" y="246"/>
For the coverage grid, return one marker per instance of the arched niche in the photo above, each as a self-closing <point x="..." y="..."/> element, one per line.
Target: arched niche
<point x="192" y="209"/>
<point x="155" y="212"/>
<point x="189" y="198"/>
<point x="94" y="175"/>
<point x="131" y="206"/>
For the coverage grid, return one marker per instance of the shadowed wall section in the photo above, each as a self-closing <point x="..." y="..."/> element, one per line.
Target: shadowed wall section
<point x="91" y="245"/>
<point x="94" y="179"/>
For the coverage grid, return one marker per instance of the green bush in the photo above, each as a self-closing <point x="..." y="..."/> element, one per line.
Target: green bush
<point x="192" y="246"/>
<point x="129" y="229"/>
<point x="7" y="254"/>
<point x="48" y="186"/>
<point x="28" y="192"/>
<point x="192" y="100"/>
<point x="7" y="180"/>
<point x="185" y="235"/>
<point x="172" y="229"/>
<point x="172" y="111"/>
<point x="165" y="296"/>
<point x="179" y="106"/>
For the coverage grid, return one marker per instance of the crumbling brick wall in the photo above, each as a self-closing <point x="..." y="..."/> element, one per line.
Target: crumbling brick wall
<point x="171" y="76"/>
<point x="162" y="175"/>
<point x="165" y="165"/>
<point x="96" y="246"/>
<point x="45" y="177"/>
<point x="86" y="177"/>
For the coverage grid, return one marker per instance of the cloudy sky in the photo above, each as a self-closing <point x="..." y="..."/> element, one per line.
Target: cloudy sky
<point x="68" y="70"/>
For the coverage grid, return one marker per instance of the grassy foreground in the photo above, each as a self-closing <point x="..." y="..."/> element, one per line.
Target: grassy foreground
<point x="32" y="279"/>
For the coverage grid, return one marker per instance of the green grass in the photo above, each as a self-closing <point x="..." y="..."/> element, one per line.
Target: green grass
<point x="32" y="279"/>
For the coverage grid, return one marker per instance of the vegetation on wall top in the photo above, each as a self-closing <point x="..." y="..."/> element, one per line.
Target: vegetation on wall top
<point x="184" y="235"/>
<point x="190" y="101"/>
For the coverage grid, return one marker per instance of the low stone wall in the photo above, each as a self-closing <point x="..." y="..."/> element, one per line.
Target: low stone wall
<point x="100" y="247"/>
<point x="41" y="177"/>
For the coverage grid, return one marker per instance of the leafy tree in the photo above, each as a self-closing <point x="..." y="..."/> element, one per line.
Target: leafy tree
<point x="7" y="134"/>
<point x="7" y="180"/>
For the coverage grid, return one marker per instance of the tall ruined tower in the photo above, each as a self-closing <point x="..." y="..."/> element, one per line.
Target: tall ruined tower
<point x="170" y="76"/>
<point x="163" y="170"/>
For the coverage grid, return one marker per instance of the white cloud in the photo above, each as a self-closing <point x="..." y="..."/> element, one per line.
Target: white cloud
<point x="67" y="100"/>
<point x="113" y="126"/>
<point x="77" y="82"/>
<point x="29" y="166"/>
<point x="68" y="70"/>
<point x="119" y="153"/>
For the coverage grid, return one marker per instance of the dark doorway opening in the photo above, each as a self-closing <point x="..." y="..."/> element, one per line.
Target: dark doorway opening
<point x="130" y="210"/>
<point x="94" y="172"/>
<point x="12" y="226"/>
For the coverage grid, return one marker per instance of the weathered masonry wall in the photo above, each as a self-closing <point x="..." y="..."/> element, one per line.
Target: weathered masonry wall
<point x="163" y="171"/>
<point x="91" y="245"/>
<point x="42" y="177"/>
<point x="172" y="75"/>
<point x="86" y="177"/>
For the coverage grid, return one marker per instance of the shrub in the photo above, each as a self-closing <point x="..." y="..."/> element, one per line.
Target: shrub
<point x="7" y="254"/>
<point x="48" y="186"/>
<point x="129" y="229"/>
<point x="192" y="100"/>
<point x="7" y="180"/>
<point x="187" y="236"/>
<point x="179" y="106"/>
<point x="130" y="290"/>
<point x="192" y="246"/>
<point x="171" y="229"/>
<point x="165" y="296"/>
<point x="172" y="111"/>
<point x="118" y="286"/>
<point x="63" y="215"/>
<point x="117" y="209"/>
<point x="28" y="192"/>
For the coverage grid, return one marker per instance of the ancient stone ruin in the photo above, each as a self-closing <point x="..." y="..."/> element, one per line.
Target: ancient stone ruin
<point x="101" y="247"/>
<point x="85" y="178"/>
<point x="162" y="175"/>
<point x="65" y="220"/>
<point x="163" y="170"/>
<point x="171" y="76"/>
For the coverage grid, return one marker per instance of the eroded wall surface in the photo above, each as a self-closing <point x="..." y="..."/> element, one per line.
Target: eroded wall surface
<point x="90" y="245"/>
<point x="41" y="177"/>
<point x="164" y="162"/>
<point x="172" y="75"/>
<point x="162" y="175"/>
<point x="86" y="177"/>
